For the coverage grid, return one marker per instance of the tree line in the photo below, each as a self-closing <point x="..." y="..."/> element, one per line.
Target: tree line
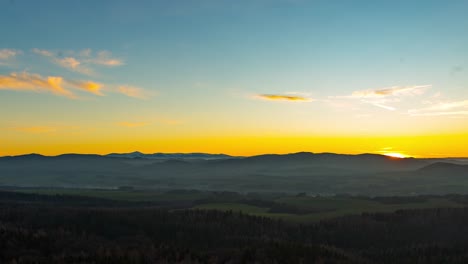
<point x="61" y="232"/>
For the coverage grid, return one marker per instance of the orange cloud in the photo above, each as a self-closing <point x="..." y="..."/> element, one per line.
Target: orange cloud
<point x="89" y="86"/>
<point x="69" y="62"/>
<point x="34" y="82"/>
<point x="135" y="92"/>
<point x="59" y="86"/>
<point x="73" y="64"/>
<point x="81" y="61"/>
<point x="280" y="97"/>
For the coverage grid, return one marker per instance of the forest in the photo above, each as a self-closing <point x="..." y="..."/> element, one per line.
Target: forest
<point x="38" y="228"/>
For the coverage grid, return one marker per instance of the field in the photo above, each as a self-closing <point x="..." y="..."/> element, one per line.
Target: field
<point x="299" y="208"/>
<point x="330" y="207"/>
<point x="125" y="195"/>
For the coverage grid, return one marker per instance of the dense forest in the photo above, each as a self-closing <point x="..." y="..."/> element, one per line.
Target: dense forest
<point x="64" y="229"/>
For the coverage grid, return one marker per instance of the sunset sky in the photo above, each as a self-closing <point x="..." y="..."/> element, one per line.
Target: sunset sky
<point x="234" y="77"/>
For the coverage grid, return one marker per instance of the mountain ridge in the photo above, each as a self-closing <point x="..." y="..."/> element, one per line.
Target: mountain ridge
<point x="296" y="172"/>
<point x="136" y="154"/>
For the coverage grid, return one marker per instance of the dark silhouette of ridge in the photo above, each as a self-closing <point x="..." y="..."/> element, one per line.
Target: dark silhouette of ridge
<point x="194" y="155"/>
<point x="294" y="172"/>
<point x="445" y="168"/>
<point x="25" y="156"/>
<point x="331" y="160"/>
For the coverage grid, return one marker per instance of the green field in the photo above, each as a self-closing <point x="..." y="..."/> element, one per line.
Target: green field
<point x="235" y="207"/>
<point x="130" y="195"/>
<point x="333" y="207"/>
<point x="309" y="208"/>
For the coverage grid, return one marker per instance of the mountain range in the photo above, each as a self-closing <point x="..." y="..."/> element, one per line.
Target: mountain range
<point x="317" y="173"/>
<point x="137" y="154"/>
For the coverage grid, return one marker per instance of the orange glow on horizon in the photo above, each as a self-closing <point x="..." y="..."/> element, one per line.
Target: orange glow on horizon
<point x="414" y="146"/>
<point x="396" y="155"/>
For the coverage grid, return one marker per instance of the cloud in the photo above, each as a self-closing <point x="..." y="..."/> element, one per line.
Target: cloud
<point x="442" y="109"/>
<point x="45" y="53"/>
<point x="383" y="96"/>
<point x="390" y="91"/>
<point x="81" y="61"/>
<point x="381" y="105"/>
<point x="132" y="124"/>
<point x="135" y="92"/>
<point x="73" y="64"/>
<point x="34" y="82"/>
<point x="6" y="55"/>
<point x="62" y="87"/>
<point x="105" y="58"/>
<point x="449" y="105"/>
<point x="282" y="97"/>
<point x="86" y="53"/>
<point x="69" y="62"/>
<point x="88" y="86"/>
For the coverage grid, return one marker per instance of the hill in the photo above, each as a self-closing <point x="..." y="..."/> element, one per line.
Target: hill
<point x="314" y="173"/>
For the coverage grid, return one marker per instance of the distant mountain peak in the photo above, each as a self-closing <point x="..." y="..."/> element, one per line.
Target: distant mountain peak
<point x="444" y="166"/>
<point x="33" y="155"/>
<point x="137" y="154"/>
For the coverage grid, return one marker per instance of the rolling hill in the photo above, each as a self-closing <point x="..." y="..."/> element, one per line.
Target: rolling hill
<point x="317" y="173"/>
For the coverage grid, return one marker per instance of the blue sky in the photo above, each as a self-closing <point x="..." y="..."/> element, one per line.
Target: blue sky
<point x="204" y="65"/>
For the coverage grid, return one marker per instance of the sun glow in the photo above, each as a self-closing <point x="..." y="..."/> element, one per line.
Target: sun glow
<point x="396" y="155"/>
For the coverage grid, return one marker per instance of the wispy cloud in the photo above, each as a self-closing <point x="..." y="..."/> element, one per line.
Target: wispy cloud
<point x="81" y="61"/>
<point x="6" y="55"/>
<point x="73" y="64"/>
<point x="283" y="97"/>
<point x="390" y="91"/>
<point x="135" y="92"/>
<point x="45" y="53"/>
<point x="442" y="109"/>
<point x="449" y="105"/>
<point x="381" y="105"/>
<point x="382" y="97"/>
<point x="35" y="82"/>
<point x="88" y="86"/>
<point x="67" y="62"/>
<point x="60" y="86"/>
<point x="104" y="58"/>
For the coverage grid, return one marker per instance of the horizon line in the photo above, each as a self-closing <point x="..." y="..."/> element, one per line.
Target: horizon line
<point x="235" y="156"/>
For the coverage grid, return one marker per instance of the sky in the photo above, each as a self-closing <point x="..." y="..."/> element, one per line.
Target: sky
<point x="235" y="77"/>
